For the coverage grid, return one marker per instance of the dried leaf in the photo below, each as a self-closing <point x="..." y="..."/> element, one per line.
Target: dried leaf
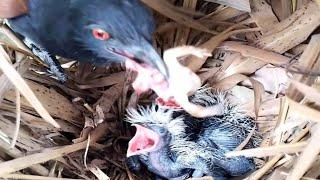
<point x="24" y="141"/>
<point x="109" y="97"/>
<point x="223" y="14"/>
<point x="260" y="172"/>
<point x="283" y="8"/>
<point x="310" y="61"/>
<point x="308" y="156"/>
<point x="241" y="65"/>
<point x="309" y="92"/>
<point x="114" y="78"/>
<point x="18" y="119"/>
<point x="242" y="5"/>
<point x="293" y="30"/>
<point x="260" y="54"/>
<point x="16" y="153"/>
<point x="303" y="111"/>
<point x="202" y="178"/>
<point x="314" y="170"/>
<point x="195" y="63"/>
<point x="16" y="41"/>
<point x="25" y="90"/>
<point x="32" y="177"/>
<point x="167" y="10"/>
<point x="56" y="104"/>
<point x="98" y="173"/>
<point x="183" y="33"/>
<point x="194" y="22"/>
<point x="269" y="151"/>
<point x="27" y="161"/>
<point x="262" y="14"/>
<point x="5" y="86"/>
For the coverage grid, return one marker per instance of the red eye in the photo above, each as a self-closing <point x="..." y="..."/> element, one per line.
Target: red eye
<point x="100" y="34"/>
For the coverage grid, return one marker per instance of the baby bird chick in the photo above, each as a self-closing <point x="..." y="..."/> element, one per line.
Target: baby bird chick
<point x="175" y="145"/>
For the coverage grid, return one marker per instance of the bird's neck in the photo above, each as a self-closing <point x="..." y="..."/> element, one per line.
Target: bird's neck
<point x="163" y="163"/>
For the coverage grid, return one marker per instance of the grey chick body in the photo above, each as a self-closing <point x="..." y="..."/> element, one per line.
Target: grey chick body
<point x="186" y="146"/>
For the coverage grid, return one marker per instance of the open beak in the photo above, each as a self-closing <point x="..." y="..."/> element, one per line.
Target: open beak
<point x="148" y="57"/>
<point x="145" y="55"/>
<point x="144" y="141"/>
<point x="156" y="61"/>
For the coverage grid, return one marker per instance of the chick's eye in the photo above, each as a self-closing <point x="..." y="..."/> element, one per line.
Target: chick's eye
<point x="161" y="131"/>
<point x="100" y="34"/>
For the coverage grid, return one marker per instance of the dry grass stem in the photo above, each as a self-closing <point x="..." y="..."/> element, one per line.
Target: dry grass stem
<point x="270" y="151"/>
<point x="23" y="87"/>
<point x="308" y="156"/>
<point x="18" y="119"/>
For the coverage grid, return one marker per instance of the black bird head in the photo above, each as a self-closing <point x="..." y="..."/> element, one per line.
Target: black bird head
<point x="122" y="30"/>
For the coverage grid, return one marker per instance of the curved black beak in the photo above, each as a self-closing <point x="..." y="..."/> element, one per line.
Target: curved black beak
<point x="154" y="59"/>
<point x="145" y="53"/>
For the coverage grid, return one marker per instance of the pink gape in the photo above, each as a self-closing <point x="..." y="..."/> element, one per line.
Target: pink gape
<point x="145" y="140"/>
<point x="182" y="82"/>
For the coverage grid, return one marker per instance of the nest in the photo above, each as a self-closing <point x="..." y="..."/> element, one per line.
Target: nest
<point x="269" y="58"/>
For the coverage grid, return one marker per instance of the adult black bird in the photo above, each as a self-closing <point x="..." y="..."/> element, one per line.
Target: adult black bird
<point x="175" y="145"/>
<point x="97" y="31"/>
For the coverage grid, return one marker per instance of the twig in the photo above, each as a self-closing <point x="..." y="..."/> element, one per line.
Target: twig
<point x="86" y="152"/>
<point x="202" y="178"/>
<point x="32" y="177"/>
<point x="302" y="178"/>
<point x="130" y="175"/>
<point x="23" y="87"/>
<point x="245" y="142"/>
<point x="27" y="161"/>
<point x="98" y="173"/>
<point x="308" y="156"/>
<point x="304" y="72"/>
<point x="6" y="31"/>
<point x="269" y="151"/>
<point x="18" y="119"/>
<point x="15" y="153"/>
<point x="310" y="93"/>
<point x="259" y="173"/>
<point x="304" y="111"/>
<point x="167" y="10"/>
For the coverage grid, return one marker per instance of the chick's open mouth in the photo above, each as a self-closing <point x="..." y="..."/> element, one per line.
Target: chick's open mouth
<point x="144" y="141"/>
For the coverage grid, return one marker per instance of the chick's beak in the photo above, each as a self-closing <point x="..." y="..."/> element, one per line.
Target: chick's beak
<point x="144" y="141"/>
